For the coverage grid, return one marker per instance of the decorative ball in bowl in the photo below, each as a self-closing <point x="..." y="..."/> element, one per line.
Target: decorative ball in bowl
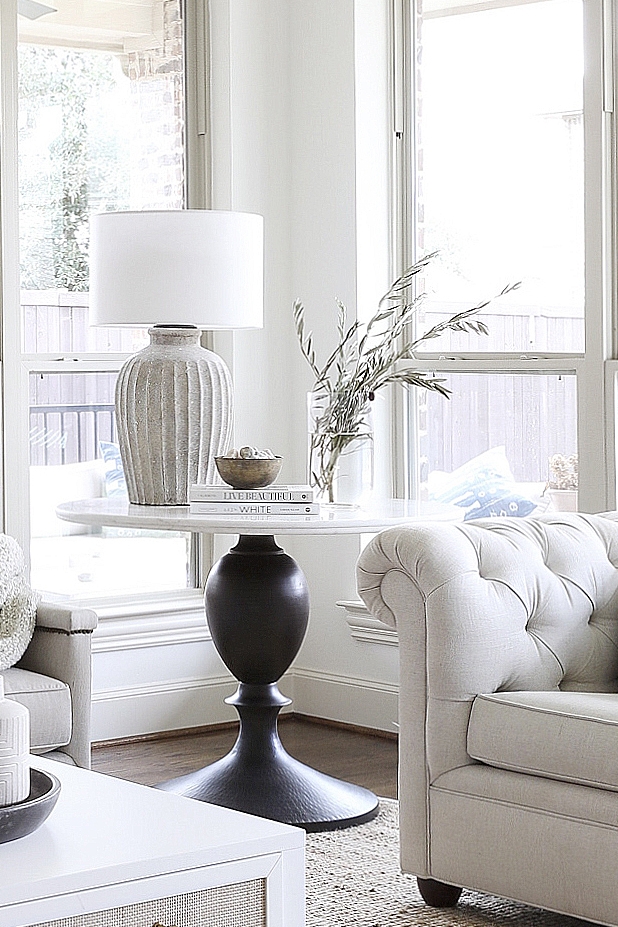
<point x="244" y="469"/>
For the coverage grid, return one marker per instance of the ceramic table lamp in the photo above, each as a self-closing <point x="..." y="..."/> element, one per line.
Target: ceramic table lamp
<point x="14" y="750"/>
<point x="179" y="271"/>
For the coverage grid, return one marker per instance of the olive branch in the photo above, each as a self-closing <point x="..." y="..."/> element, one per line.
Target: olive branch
<point x="365" y="360"/>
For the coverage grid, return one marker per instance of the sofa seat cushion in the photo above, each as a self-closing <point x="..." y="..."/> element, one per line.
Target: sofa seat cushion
<point x="49" y="702"/>
<point x="566" y="735"/>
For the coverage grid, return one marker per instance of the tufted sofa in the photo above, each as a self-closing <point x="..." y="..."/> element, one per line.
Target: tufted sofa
<point x="508" y="635"/>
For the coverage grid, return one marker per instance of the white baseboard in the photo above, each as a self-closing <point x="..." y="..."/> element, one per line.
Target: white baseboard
<point x="185" y="701"/>
<point x="345" y="699"/>
<point x="147" y="709"/>
<point x="132" y="711"/>
<point x="165" y="706"/>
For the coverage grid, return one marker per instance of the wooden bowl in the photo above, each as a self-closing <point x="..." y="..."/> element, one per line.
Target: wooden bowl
<point x="248" y="473"/>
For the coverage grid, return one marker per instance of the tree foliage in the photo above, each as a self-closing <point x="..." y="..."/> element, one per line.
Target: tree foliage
<point x="60" y="159"/>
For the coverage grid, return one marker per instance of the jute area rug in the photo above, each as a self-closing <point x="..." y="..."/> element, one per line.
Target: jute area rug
<point x="354" y="880"/>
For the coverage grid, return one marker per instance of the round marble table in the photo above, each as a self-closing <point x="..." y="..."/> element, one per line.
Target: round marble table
<point x="257" y="608"/>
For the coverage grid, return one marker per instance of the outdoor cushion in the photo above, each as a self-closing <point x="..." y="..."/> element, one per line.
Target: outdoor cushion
<point x="115" y="481"/>
<point x="566" y="735"/>
<point x="484" y="487"/>
<point x="49" y="703"/>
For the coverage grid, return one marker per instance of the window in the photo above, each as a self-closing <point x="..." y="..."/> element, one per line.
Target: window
<point x="502" y="156"/>
<point x="101" y="126"/>
<point x="501" y="169"/>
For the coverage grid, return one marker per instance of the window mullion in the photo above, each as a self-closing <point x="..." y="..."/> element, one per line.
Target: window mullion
<point x="197" y="103"/>
<point x="596" y="451"/>
<point x="498" y="363"/>
<point x="14" y="376"/>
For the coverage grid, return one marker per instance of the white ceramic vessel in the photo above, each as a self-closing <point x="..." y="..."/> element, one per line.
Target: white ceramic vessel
<point x="174" y="416"/>
<point x="14" y="750"/>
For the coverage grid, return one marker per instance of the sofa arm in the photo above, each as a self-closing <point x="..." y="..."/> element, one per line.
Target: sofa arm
<point x="461" y="602"/>
<point x="64" y="619"/>
<point x="61" y="648"/>
<point x="388" y="583"/>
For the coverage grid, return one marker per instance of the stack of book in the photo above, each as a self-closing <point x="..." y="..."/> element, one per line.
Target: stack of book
<point x="205" y="499"/>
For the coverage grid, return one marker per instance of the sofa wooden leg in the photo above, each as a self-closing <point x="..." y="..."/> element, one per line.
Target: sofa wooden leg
<point x="438" y="894"/>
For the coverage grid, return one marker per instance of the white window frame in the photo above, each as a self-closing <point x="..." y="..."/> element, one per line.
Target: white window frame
<point x="15" y="367"/>
<point x="595" y="368"/>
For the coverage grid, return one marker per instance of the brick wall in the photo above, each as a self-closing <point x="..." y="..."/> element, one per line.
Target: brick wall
<point x="157" y="85"/>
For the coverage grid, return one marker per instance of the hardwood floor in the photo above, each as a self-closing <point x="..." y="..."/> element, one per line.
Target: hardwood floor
<point x="364" y="758"/>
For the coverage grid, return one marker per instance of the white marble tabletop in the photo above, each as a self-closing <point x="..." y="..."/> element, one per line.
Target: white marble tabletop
<point x="118" y="512"/>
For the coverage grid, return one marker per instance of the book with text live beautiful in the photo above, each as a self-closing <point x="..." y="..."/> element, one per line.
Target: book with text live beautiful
<point x="202" y="492"/>
<point x="254" y="508"/>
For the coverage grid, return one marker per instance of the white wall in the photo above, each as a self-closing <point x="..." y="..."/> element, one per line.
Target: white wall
<point x="340" y="230"/>
<point x="309" y="149"/>
<point x="300" y="135"/>
<point x="251" y="172"/>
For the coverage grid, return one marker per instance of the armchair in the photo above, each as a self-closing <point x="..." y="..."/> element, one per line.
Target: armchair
<point x="53" y="680"/>
<point x="508" y="706"/>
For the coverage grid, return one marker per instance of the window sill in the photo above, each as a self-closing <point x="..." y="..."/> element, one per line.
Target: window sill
<point x="364" y="628"/>
<point x="132" y="622"/>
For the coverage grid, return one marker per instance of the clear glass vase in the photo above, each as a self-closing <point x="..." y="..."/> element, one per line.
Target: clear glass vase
<point x="341" y="464"/>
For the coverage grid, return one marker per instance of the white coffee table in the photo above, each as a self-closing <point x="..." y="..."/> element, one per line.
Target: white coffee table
<point x="144" y="857"/>
<point x="257" y="607"/>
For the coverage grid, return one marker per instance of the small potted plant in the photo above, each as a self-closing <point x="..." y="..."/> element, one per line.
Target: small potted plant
<point x="562" y="484"/>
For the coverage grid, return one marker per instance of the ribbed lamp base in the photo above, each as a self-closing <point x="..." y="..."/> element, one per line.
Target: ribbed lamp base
<point x="174" y="406"/>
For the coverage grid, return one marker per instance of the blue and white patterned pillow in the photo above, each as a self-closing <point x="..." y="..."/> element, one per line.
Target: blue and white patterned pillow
<point x="484" y="487"/>
<point x="115" y="483"/>
<point x="496" y="499"/>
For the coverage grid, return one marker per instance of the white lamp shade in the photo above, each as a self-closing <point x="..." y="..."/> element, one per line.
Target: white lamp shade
<point x="189" y="267"/>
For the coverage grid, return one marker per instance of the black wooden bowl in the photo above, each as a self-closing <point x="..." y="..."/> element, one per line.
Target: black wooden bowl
<point x="25" y="816"/>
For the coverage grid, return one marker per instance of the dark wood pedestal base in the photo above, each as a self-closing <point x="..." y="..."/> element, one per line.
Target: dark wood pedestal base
<point x="257" y="606"/>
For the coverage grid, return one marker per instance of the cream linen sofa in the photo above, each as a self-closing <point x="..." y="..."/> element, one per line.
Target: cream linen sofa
<point x="53" y="680"/>
<point x="508" y="636"/>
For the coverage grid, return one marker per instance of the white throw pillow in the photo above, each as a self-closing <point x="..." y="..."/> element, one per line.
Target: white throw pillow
<point x="17" y="603"/>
